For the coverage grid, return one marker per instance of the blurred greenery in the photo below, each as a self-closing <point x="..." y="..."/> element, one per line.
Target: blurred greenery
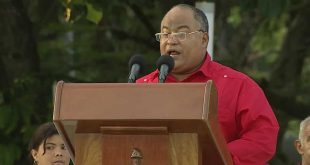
<point x="268" y="40"/>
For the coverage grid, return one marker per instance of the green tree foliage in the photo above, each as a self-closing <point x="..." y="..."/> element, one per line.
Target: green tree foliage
<point x="269" y="40"/>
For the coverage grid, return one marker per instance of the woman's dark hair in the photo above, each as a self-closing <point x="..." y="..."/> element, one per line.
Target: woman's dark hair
<point x="43" y="132"/>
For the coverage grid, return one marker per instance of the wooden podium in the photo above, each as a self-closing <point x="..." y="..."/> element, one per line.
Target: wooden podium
<point x="140" y="124"/>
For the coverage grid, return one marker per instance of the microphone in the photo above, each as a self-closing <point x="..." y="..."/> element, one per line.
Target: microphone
<point x="164" y="64"/>
<point x="136" y="65"/>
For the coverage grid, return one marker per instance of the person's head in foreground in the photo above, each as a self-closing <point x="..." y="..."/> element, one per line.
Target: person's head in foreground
<point x="47" y="148"/>
<point x="303" y="143"/>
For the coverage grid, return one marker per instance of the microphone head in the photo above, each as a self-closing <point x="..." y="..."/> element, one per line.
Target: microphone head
<point x="167" y="60"/>
<point x="137" y="59"/>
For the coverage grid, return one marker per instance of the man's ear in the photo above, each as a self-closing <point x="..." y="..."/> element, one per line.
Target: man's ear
<point x="299" y="147"/>
<point x="34" y="154"/>
<point x="205" y="39"/>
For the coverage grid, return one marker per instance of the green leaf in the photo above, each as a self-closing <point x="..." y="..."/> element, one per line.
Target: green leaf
<point x="93" y="14"/>
<point x="235" y="16"/>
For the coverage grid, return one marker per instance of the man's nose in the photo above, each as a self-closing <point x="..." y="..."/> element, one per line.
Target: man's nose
<point x="172" y="39"/>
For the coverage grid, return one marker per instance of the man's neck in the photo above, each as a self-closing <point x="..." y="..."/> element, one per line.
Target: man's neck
<point x="180" y="77"/>
<point x="183" y="76"/>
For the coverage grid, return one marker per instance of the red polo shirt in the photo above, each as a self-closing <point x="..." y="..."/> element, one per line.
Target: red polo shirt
<point x="246" y="118"/>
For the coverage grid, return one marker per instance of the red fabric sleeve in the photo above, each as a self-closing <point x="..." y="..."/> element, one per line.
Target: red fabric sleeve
<point x="258" y="128"/>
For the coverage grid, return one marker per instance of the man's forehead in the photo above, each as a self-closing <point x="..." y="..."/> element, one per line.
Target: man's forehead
<point x="179" y="17"/>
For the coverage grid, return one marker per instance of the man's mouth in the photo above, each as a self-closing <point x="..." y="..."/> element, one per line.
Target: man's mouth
<point x="173" y="53"/>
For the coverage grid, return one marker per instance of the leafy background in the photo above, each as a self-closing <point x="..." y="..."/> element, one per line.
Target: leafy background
<point x="268" y="40"/>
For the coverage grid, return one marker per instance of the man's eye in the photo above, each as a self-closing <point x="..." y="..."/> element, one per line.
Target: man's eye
<point x="165" y="35"/>
<point x="178" y="34"/>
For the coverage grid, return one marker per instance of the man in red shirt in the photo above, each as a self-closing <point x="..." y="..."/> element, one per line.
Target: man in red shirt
<point x="246" y="118"/>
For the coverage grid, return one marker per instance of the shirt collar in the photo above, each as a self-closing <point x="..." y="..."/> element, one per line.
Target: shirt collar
<point x="204" y="68"/>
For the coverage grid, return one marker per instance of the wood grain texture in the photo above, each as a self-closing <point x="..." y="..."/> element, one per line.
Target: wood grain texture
<point x="88" y="149"/>
<point x="184" y="148"/>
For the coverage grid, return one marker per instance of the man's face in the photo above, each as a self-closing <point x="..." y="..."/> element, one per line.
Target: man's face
<point x="303" y="146"/>
<point x="188" y="54"/>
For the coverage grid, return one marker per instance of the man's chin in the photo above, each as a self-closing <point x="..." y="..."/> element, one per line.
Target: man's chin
<point x="176" y="70"/>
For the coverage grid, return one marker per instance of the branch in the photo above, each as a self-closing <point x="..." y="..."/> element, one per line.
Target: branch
<point x="286" y="74"/>
<point x="121" y="34"/>
<point x="143" y="18"/>
<point x="287" y="71"/>
<point x="288" y="105"/>
<point x="299" y="6"/>
<point x="4" y="82"/>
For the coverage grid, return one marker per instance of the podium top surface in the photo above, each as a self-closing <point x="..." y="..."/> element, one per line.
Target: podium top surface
<point x="122" y="101"/>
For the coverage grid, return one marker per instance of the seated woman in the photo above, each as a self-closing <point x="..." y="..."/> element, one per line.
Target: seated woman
<point x="46" y="147"/>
